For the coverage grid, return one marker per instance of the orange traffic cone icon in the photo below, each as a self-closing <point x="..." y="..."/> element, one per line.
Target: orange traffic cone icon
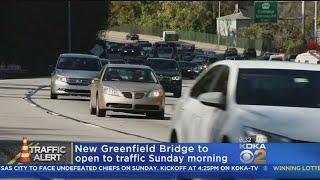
<point x="25" y="155"/>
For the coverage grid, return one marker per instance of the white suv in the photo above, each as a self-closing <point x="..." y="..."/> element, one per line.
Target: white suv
<point x="237" y="100"/>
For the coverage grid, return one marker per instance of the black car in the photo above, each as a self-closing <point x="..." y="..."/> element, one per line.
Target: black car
<point x="168" y="73"/>
<point x="212" y="60"/>
<point x="292" y="57"/>
<point x="189" y="69"/>
<point x="112" y="61"/>
<point x="131" y="51"/>
<point x="113" y="50"/>
<point x="201" y="65"/>
<point x="132" y="36"/>
<point x="145" y="46"/>
<point x="199" y="51"/>
<point x="187" y="56"/>
<point x="231" y="52"/>
<point x="266" y="56"/>
<point x="250" y="53"/>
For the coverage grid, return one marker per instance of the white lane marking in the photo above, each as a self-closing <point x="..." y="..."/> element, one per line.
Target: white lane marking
<point x="91" y="125"/>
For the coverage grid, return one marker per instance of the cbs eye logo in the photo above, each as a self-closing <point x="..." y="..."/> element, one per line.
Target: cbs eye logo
<point x="246" y="156"/>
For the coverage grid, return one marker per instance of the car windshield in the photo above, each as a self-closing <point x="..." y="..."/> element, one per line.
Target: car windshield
<point x="79" y="63"/>
<point x="163" y="65"/>
<point x="129" y="75"/>
<point x="271" y="87"/>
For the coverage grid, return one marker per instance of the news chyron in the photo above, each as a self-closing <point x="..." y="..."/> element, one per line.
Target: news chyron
<point x="42" y="152"/>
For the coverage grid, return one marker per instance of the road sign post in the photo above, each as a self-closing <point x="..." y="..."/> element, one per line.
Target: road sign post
<point x="265" y="12"/>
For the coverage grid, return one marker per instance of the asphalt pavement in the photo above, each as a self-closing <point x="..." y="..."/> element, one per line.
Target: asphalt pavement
<point x="27" y="110"/>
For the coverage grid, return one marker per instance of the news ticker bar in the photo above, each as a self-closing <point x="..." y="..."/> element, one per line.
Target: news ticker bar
<point x="56" y="159"/>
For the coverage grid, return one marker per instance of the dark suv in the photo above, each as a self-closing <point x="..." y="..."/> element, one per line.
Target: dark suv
<point x="231" y="52"/>
<point x="250" y="53"/>
<point x="132" y="36"/>
<point x="168" y="73"/>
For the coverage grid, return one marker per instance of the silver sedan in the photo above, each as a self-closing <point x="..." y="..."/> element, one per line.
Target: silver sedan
<point x="127" y="88"/>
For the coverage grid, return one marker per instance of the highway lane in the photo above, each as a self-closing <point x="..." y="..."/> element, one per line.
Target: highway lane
<point x="27" y="110"/>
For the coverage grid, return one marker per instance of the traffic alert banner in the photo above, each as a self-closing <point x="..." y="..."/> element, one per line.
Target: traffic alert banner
<point x="244" y="160"/>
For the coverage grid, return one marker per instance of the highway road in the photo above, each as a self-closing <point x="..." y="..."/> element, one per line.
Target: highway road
<point x="27" y="110"/>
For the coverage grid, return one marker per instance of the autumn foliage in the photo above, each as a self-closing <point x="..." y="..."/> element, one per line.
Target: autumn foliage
<point x="312" y="45"/>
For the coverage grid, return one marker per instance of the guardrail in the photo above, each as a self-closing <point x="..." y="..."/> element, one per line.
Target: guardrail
<point x="194" y="36"/>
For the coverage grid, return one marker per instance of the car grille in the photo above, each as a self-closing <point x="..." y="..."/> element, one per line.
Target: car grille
<point x="77" y="91"/>
<point x="164" y="79"/>
<point x="127" y="94"/>
<point x="119" y="105"/>
<point x="137" y="95"/>
<point x="79" y="82"/>
<point x="146" y="107"/>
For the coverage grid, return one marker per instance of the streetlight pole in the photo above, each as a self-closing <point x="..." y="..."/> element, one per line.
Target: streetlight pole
<point x="69" y="26"/>
<point x="302" y="14"/>
<point x="315" y="20"/>
<point x="219" y="9"/>
<point x="218" y="24"/>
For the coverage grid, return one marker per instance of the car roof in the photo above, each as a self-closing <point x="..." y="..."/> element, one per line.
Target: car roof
<point x="260" y="64"/>
<point x="78" y="55"/>
<point x="128" y="66"/>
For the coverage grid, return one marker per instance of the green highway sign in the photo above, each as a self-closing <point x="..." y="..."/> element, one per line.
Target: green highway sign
<point x="265" y="12"/>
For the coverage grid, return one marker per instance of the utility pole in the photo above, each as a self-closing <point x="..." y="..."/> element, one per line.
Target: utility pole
<point x="315" y="20"/>
<point x="218" y="24"/>
<point x="219" y="9"/>
<point x="69" y="26"/>
<point x="303" y="19"/>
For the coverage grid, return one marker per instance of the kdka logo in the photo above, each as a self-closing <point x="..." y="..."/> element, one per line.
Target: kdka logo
<point x="253" y="153"/>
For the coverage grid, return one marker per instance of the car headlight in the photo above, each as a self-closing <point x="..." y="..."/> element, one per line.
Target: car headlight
<point x="111" y="91"/>
<point x="259" y="136"/>
<point x="62" y="78"/>
<point x="176" y="78"/>
<point x="156" y="93"/>
<point x="189" y="70"/>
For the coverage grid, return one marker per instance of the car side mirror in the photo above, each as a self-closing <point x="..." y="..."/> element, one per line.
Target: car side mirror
<point x="94" y="80"/>
<point x="214" y="99"/>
